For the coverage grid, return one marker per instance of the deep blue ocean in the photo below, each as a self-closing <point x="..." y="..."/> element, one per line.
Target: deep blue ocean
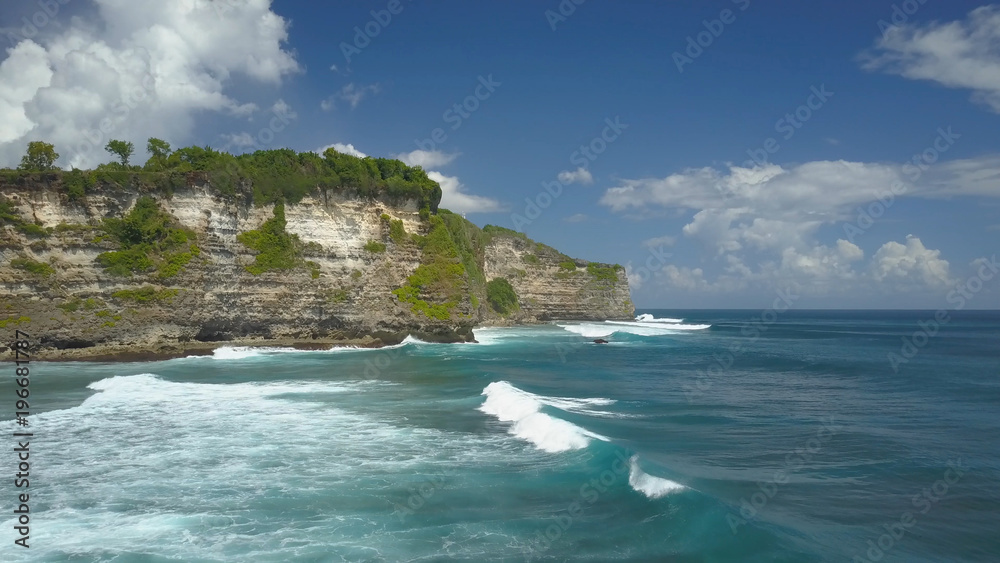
<point x="692" y="436"/>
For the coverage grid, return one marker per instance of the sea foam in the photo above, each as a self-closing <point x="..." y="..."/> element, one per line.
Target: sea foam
<point x="647" y="318"/>
<point x="246" y="352"/>
<point x="652" y="487"/>
<point x="607" y="328"/>
<point x="548" y="433"/>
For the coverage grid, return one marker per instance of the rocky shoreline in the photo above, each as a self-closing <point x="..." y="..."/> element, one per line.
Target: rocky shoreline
<point x="171" y="350"/>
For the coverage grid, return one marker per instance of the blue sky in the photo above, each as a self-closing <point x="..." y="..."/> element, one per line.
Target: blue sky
<point x="671" y="191"/>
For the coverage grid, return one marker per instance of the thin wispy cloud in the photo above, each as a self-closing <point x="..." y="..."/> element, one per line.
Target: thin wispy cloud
<point x="958" y="54"/>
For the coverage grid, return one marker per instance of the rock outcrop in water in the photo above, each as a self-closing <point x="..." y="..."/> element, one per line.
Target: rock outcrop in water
<point x="182" y="274"/>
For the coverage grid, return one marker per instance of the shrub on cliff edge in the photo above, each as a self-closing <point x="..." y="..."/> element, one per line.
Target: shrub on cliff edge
<point x="276" y="248"/>
<point x="501" y="296"/>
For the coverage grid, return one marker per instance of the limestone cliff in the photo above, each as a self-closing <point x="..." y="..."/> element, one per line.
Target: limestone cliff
<point x="352" y="260"/>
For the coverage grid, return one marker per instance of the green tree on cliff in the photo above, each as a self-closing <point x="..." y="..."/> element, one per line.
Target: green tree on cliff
<point x="40" y="157"/>
<point x="122" y="149"/>
<point x="159" y="150"/>
<point x="158" y="147"/>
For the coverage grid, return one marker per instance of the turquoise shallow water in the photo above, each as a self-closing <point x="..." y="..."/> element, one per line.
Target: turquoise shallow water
<point x="792" y="440"/>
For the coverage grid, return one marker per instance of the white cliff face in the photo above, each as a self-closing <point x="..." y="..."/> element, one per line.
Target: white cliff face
<point x="547" y="290"/>
<point x="342" y="292"/>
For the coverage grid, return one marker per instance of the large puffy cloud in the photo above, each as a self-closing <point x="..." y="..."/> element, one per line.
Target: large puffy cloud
<point x="911" y="264"/>
<point x="959" y="54"/>
<point x="134" y="70"/>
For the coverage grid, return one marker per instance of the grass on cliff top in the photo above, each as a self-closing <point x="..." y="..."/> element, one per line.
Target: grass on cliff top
<point x="603" y="273"/>
<point x="604" y="277"/>
<point x="535" y="248"/>
<point x="270" y="176"/>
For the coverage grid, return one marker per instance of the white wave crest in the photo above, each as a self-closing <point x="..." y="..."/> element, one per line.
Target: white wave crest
<point x="659" y="326"/>
<point x="510" y="404"/>
<point x="652" y="487"/>
<point x="243" y="352"/>
<point x="495" y="335"/>
<point x="647" y="318"/>
<point x="607" y="328"/>
<point x="590" y="330"/>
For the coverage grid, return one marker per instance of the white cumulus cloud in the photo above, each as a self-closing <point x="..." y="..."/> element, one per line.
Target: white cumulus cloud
<point x="427" y="159"/>
<point x="455" y="198"/>
<point x="132" y="70"/>
<point x="343" y="149"/>
<point x="904" y="265"/>
<point x="760" y="225"/>
<point x="579" y="176"/>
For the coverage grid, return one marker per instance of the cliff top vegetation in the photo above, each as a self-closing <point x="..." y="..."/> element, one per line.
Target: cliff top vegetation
<point x="270" y="176"/>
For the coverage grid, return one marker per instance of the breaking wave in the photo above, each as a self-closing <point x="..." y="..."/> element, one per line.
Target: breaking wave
<point x="647" y="318"/>
<point x="548" y="433"/>
<point x="652" y="487"/>
<point x="607" y="328"/>
<point x="245" y="352"/>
